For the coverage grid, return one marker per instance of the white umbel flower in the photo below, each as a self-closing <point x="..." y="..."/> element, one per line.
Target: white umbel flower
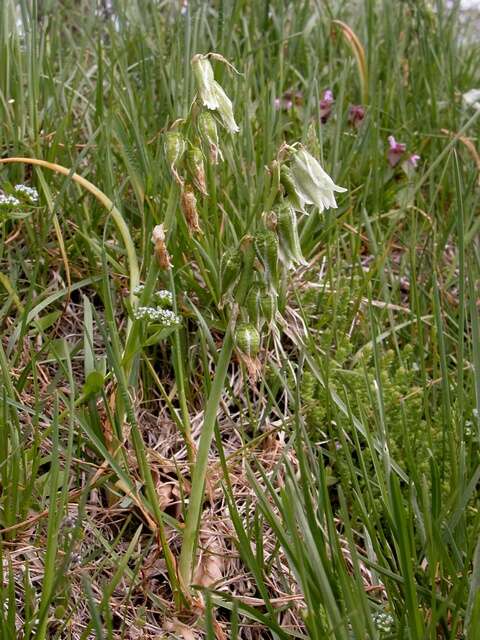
<point x="29" y="192"/>
<point x="166" y="317"/>
<point x="8" y="200"/>
<point x="211" y="93"/>
<point x="312" y="183"/>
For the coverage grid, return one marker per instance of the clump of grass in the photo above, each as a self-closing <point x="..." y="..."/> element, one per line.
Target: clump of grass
<point x="264" y="423"/>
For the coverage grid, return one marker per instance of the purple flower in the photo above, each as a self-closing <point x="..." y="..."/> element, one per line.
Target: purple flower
<point x="396" y="151"/>
<point x="356" y="115"/>
<point x="326" y="106"/>
<point x="413" y="160"/>
<point x="288" y="100"/>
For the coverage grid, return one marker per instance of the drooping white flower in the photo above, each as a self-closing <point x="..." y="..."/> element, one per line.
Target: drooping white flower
<point x="312" y="184"/>
<point x="211" y="93"/>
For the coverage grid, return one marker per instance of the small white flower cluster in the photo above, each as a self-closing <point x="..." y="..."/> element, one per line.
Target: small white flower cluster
<point x="30" y="192"/>
<point x="155" y="314"/>
<point x="6" y="200"/>
<point x="164" y="298"/>
<point x="138" y="290"/>
<point x="383" y="621"/>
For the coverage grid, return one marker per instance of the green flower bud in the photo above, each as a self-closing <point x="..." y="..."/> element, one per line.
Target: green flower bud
<point x="268" y="306"/>
<point x="266" y="244"/>
<point x="247" y="339"/>
<point x="231" y="267"/>
<point x="175" y="146"/>
<point x="288" y="235"/>
<point x="252" y="302"/>
<point x="197" y="169"/>
<point x="207" y="128"/>
<point x="288" y="183"/>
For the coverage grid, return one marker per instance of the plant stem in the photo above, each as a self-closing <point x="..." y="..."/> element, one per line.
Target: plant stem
<point x="201" y="464"/>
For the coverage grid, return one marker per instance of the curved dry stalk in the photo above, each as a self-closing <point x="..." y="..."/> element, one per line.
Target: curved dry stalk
<point x="134" y="273"/>
<point x="359" y="53"/>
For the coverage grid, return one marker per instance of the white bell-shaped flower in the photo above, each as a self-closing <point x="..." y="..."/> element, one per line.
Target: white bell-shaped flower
<point x="312" y="183"/>
<point x="211" y="93"/>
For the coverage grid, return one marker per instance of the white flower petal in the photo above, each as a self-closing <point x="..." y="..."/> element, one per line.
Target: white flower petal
<point x="225" y="109"/>
<point x="312" y="182"/>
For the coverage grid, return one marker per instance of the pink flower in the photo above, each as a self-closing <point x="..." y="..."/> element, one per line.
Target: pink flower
<point x="413" y="160"/>
<point x="396" y="151"/>
<point x="288" y="100"/>
<point x="356" y="114"/>
<point x="326" y="106"/>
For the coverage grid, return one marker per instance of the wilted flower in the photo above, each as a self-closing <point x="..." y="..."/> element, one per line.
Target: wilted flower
<point x="313" y="185"/>
<point x="211" y="93"/>
<point x="158" y="239"/>
<point x="326" y="104"/>
<point x="189" y="207"/>
<point x="395" y="151"/>
<point x="356" y="115"/>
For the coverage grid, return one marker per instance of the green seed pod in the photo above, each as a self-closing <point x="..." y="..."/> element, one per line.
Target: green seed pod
<point x="268" y="306"/>
<point x="196" y="169"/>
<point x="231" y="268"/>
<point x="248" y="256"/>
<point x="266" y="244"/>
<point x="288" y="183"/>
<point x="247" y="339"/>
<point x="175" y="146"/>
<point x="207" y="128"/>
<point x="252" y="302"/>
<point x="288" y="235"/>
